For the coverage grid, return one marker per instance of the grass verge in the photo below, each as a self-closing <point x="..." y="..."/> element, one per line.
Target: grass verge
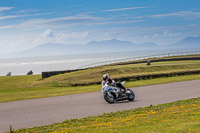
<point x="181" y="116"/>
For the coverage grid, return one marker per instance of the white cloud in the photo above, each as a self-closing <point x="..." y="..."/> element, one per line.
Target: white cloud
<point x="115" y="22"/>
<point x="77" y="20"/>
<point x="10" y="16"/>
<point x="27" y="11"/>
<point x="60" y="22"/>
<point x="51" y="36"/>
<point x="48" y="33"/>
<point x="165" y="33"/>
<point x="5" y="8"/>
<point x="18" y="16"/>
<point x="186" y="14"/>
<point x="57" y="22"/>
<point x="7" y="27"/>
<point x="123" y="9"/>
<point x="168" y="33"/>
<point x="72" y="36"/>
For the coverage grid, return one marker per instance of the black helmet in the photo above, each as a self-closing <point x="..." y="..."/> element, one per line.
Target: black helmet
<point x="105" y="77"/>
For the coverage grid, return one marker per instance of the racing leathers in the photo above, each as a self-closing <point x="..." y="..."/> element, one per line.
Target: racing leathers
<point x="112" y="82"/>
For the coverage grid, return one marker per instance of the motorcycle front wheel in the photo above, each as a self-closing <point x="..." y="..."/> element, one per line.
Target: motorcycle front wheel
<point x="110" y="98"/>
<point x="131" y="96"/>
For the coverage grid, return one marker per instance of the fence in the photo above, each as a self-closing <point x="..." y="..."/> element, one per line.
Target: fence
<point x="52" y="73"/>
<point x="138" y="58"/>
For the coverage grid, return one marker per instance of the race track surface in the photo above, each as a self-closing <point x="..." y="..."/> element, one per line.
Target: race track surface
<point x="38" y="112"/>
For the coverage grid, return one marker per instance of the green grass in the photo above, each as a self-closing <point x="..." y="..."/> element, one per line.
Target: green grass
<point x="177" y="117"/>
<point x="95" y="75"/>
<point x="16" y="82"/>
<point x="15" y="88"/>
<point x="8" y="95"/>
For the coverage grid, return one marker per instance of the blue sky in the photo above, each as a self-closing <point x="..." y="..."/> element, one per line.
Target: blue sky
<point x="27" y="23"/>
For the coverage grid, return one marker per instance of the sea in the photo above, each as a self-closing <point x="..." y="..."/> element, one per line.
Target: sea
<point x="21" y="66"/>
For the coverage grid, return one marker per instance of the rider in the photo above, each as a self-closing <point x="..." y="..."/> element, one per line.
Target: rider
<point x="111" y="82"/>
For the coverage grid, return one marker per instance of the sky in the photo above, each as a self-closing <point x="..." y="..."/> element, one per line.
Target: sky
<point x="25" y="24"/>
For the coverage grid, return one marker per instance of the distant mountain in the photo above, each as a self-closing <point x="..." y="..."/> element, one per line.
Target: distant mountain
<point x="112" y="42"/>
<point x="116" y="45"/>
<point x="113" y="45"/>
<point x="188" y="42"/>
<point x="91" y="47"/>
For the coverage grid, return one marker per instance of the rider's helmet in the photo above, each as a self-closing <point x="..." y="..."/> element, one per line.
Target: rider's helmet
<point x="106" y="77"/>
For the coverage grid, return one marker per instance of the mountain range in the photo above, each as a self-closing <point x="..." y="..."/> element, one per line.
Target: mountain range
<point x="188" y="42"/>
<point x="102" y="47"/>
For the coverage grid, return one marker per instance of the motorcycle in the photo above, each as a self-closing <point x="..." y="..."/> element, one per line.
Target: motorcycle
<point x="113" y="94"/>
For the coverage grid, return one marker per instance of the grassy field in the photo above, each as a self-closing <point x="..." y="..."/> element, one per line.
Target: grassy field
<point x="14" y="88"/>
<point x="95" y="75"/>
<point x="178" y="117"/>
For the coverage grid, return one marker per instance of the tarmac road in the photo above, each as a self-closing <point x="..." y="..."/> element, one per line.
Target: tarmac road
<point x="38" y="112"/>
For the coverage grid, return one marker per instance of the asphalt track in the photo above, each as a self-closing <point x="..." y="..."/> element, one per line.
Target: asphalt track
<point x="38" y="112"/>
